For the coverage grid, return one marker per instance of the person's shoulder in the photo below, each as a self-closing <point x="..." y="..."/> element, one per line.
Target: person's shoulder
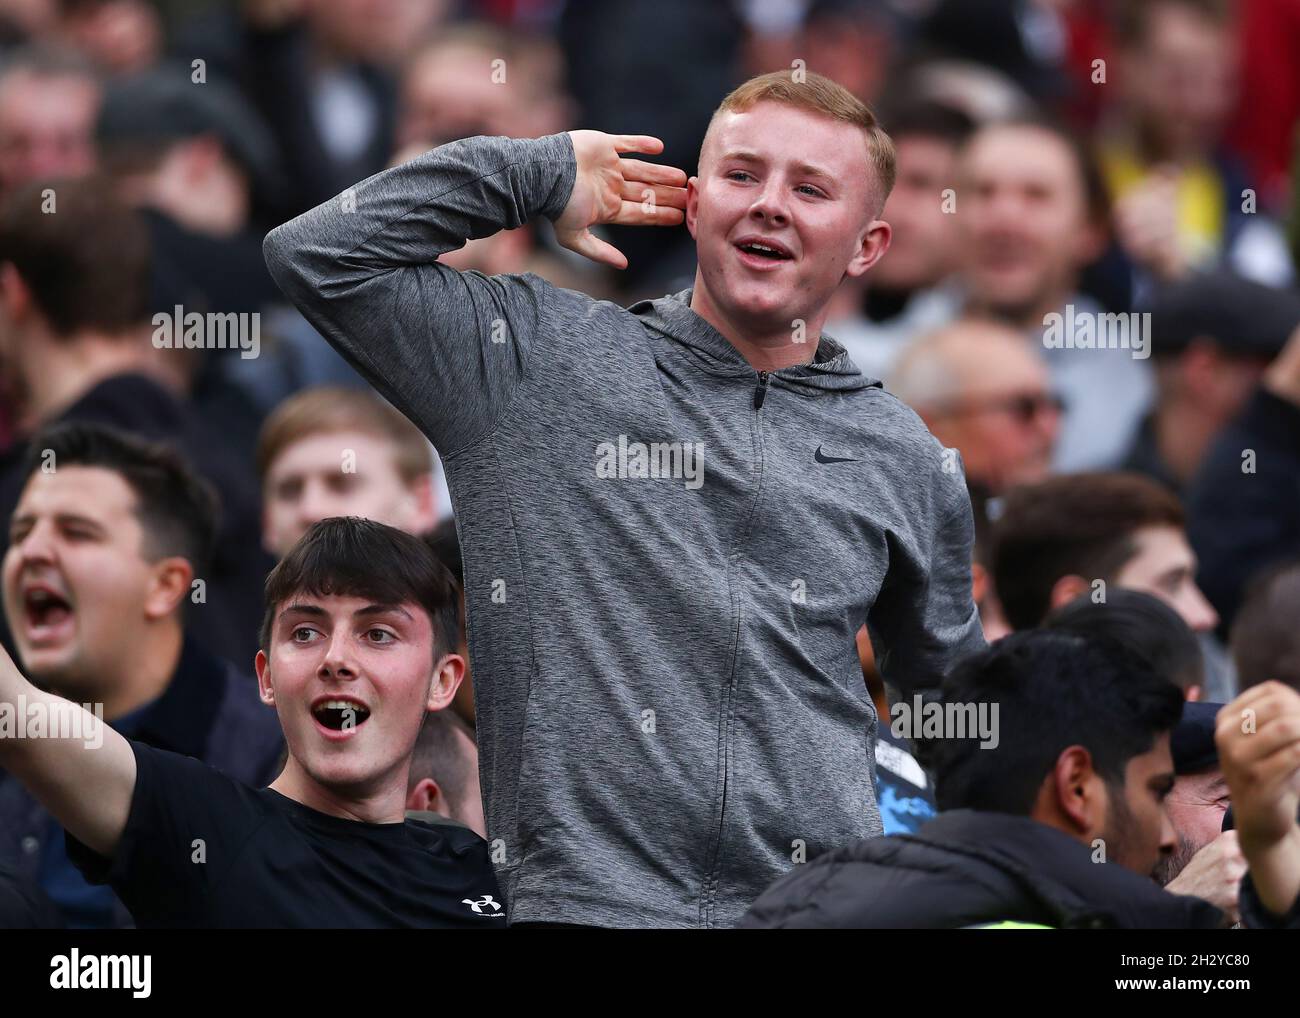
<point x="897" y="429"/>
<point x="446" y="837"/>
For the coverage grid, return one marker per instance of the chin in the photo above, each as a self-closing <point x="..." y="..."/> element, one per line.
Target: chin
<point x="344" y="773"/>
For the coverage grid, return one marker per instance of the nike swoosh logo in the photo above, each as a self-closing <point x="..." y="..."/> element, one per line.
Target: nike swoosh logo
<point x="820" y="457"/>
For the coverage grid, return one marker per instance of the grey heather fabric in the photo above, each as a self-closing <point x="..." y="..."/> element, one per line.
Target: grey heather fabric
<point x="670" y="706"/>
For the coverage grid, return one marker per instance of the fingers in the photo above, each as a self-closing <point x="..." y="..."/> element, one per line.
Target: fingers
<point x="654" y="173"/>
<point x="644" y="143"/>
<point x="590" y="246"/>
<point x="637" y="213"/>
<point x="656" y="194"/>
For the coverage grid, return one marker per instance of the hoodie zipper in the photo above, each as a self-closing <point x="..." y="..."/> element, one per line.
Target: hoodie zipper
<point x="715" y="867"/>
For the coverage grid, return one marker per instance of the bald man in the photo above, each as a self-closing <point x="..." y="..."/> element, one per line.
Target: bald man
<point x="982" y="389"/>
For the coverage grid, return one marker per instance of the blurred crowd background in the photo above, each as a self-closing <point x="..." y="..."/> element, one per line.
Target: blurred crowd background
<point x="1080" y="158"/>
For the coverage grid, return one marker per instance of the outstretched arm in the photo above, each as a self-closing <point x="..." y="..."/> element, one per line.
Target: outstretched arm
<point x="81" y="770"/>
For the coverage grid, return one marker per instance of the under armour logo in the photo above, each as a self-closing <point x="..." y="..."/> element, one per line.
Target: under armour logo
<point x="478" y="906"/>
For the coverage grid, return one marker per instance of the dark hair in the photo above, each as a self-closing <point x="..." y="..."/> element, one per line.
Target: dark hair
<point x="438" y="755"/>
<point x="1053" y="690"/>
<point x="177" y="509"/>
<point x="927" y="118"/>
<point x="1075" y="524"/>
<point x="352" y="557"/>
<point x="86" y="263"/>
<point x="1143" y="624"/>
<point x="1266" y="631"/>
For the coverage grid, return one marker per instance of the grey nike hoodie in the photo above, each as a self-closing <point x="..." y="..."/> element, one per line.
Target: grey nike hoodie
<point x="667" y="554"/>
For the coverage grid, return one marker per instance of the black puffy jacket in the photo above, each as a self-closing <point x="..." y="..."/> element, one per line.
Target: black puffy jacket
<point x="968" y="868"/>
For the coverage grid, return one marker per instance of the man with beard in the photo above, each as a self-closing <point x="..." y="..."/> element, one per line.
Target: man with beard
<point x="1207" y="860"/>
<point x="1056" y="821"/>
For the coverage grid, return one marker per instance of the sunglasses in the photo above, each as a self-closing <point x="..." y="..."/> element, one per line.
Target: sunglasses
<point x="1024" y="407"/>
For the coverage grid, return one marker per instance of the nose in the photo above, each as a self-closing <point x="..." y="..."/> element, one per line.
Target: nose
<point x="1168" y="836"/>
<point x="771" y="203"/>
<point x="337" y="662"/>
<point x="314" y="504"/>
<point x="1198" y="612"/>
<point x="37" y="546"/>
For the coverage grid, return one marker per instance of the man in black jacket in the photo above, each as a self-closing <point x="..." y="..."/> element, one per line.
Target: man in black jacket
<point x="105" y="542"/>
<point x="1053" y="817"/>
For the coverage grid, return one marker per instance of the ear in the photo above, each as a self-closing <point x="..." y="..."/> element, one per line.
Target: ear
<point x="170" y="585"/>
<point x="266" y="530"/>
<point x="692" y="202"/>
<point x="1077" y="792"/>
<point x="1193" y="694"/>
<point x="979" y="582"/>
<point x="447" y="675"/>
<point x="15" y="295"/>
<point x="425" y="797"/>
<point x="871" y="247"/>
<point x="264" y="688"/>
<point x="1065" y="590"/>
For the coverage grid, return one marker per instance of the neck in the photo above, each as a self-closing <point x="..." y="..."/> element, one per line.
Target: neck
<point x="70" y="368"/>
<point x="385" y="803"/>
<point x="147" y="673"/>
<point x="764" y="350"/>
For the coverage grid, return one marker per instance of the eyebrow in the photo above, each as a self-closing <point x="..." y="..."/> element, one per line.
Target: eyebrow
<point x="316" y="611"/>
<point x="60" y="518"/>
<point x="804" y="169"/>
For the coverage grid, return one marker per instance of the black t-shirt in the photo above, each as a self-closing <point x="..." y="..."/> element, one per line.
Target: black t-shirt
<point x="202" y="850"/>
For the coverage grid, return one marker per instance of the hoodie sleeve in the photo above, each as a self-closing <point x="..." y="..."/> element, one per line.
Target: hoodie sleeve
<point x="924" y="619"/>
<point x="447" y="348"/>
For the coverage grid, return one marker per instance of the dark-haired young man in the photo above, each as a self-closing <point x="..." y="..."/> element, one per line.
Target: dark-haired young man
<point x="1059" y="824"/>
<point x="353" y="654"/>
<point x="104" y="547"/>
<point x="1054" y="540"/>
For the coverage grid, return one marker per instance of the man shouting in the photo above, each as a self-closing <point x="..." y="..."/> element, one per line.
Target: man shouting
<point x="674" y="516"/>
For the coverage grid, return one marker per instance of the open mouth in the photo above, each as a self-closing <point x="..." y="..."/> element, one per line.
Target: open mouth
<point x="47" y="611"/>
<point x="340" y="715"/>
<point x="771" y="252"/>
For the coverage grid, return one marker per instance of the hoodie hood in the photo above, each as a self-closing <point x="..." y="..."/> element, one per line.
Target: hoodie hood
<point x="831" y="370"/>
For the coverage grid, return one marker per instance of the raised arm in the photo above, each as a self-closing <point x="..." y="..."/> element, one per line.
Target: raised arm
<point x="450" y="348"/>
<point x="81" y="770"/>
